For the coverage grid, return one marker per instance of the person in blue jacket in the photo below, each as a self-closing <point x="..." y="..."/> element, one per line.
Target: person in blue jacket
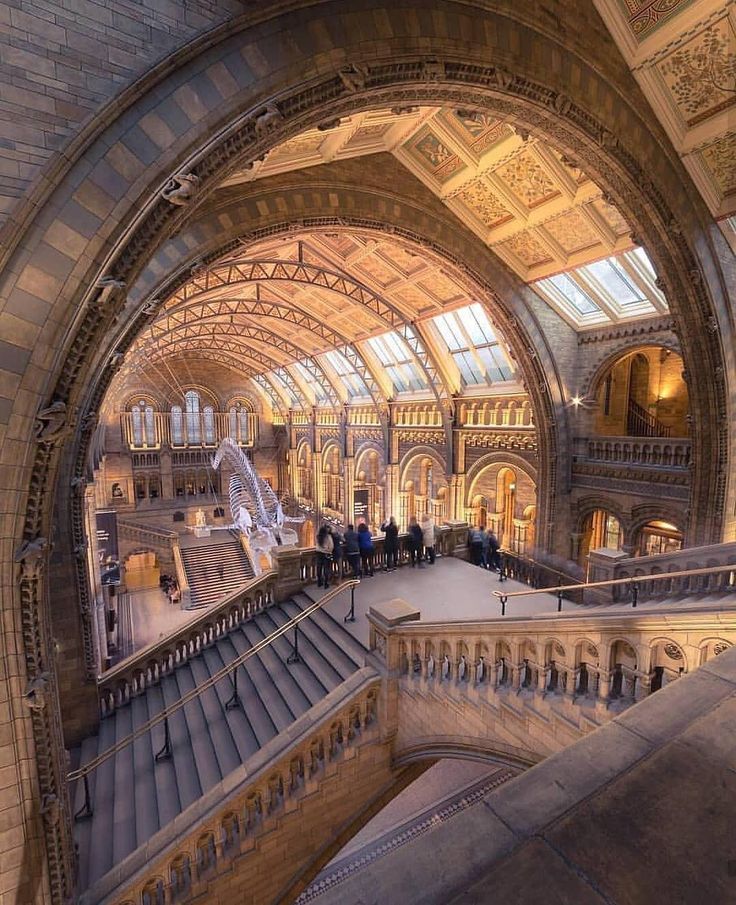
<point x="365" y="542"/>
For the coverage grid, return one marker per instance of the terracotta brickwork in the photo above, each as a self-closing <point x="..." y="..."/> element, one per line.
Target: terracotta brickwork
<point x="105" y="208"/>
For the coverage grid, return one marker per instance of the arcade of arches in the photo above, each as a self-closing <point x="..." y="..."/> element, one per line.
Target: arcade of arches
<point x="402" y="278"/>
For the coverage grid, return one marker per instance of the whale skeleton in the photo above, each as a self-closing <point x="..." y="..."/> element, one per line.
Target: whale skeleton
<point x="254" y="507"/>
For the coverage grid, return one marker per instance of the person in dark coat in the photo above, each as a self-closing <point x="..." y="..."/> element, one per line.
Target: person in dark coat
<point x="352" y="550"/>
<point x="365" y="542"/>
<point x="475" y="542"/>
<point x="391" y="544"/>
<point x="338" y="548"/>
<point x="416" y="540"/>
<point x="494" y="555"/>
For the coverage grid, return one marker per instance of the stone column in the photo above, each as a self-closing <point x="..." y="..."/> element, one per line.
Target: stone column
<point x="392" y="503"/>
<point x="348" y="487"/>
<point x="167" y="475"/>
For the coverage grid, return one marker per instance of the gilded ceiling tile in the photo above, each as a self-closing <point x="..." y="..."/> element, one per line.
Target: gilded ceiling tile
<point x="573" y="231"/>
<point x="433" y="155"/>
<point x="612" y="217"/>
<point x="406" y="261"/>
<point x="701" y="75"/>
<point x="644" y="16"/>
<point x="373" y="132"/>
<point x="477" y="131"/>
<point x="377" y="270"/>
<point x="720" y="158"/>
<point x="527" y="248"/>
<point x="307" y="143"/>
<point x="480" y="199"/>
<point x="527" y="179"/>
<point x="413" y="297"/>
<point x="441" y="287"/>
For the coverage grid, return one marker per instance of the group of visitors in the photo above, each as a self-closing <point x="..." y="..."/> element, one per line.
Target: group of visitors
<point x="354" y="552"/>
<point x="170" y="586"/>
<point x="484" y="548"/>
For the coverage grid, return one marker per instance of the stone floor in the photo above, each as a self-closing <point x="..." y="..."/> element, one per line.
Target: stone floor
<point x="451" y="590"/>
<point x="154" y="617"/>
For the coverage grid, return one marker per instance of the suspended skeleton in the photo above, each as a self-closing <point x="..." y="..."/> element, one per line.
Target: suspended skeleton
<point x="255" y="508"/>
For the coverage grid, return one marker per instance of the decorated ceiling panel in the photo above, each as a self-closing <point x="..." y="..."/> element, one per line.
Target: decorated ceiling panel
<point x="683" y="54"/>
<point x="501" y="182"/>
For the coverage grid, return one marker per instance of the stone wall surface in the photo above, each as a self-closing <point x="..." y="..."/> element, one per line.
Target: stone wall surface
<point x="660" y="779"/>
<point x="98" y="206"/>
<point x="62" y="60"/>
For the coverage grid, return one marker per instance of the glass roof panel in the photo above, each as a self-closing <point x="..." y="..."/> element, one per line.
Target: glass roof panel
<point x="399" y="362"/>
<point x="311" y="381"/>
<point x="615" y="281"/>
<point x="351" y="380"/>
<point x="642" y="258"/>
<point x="470" y="339"/>
<point x="572" y="293"/>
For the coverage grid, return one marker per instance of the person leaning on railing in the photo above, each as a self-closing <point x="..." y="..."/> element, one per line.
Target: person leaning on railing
<point x="367" y="550"/>
<point x="325" y="548"/>
<point x="391" y="544"/>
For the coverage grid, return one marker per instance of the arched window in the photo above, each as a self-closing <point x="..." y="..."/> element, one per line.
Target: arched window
<point x="149" y="426"/>
<point x="209" y="425"/>
<point x="239" y="423"/>
<point x="137" y="425"/>
<point x="177" y="426"/>
<point x="192" y="404"/>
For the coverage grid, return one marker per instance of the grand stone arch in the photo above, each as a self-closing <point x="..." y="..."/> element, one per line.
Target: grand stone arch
<point x="247" y="87"/>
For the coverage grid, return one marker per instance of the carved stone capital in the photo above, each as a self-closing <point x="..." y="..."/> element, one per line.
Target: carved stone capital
<point x="51" y="423"/>
<point x="32" y="556"/>
<point x="180" y="189"/>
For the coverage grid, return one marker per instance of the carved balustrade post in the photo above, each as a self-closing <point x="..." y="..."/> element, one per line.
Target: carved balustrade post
<point x="516" y="669"/>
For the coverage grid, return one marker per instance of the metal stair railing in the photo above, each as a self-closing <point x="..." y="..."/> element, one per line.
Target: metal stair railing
<point x="228" y="671"/>
<point x="632" y="583"/>
<point x="641" y="423"/>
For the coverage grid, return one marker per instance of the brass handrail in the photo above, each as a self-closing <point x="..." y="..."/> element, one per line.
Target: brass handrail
<point x="204" y="615"/>
<point x="82" y="772"/>
<point x="634" y="579"/>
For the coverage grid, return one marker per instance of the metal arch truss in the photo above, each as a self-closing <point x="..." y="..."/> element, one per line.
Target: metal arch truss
<point x="224" y="275"/>
<point x="276" y="401"/>
<point x="195" y="311"/>
<point x="220" y="333"/>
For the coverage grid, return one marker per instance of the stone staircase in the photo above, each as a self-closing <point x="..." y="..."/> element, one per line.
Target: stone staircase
<point x="133" y="796"/>
<point x="206" y="560"/>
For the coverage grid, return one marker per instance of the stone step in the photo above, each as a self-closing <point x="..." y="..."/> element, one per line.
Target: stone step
<point x="134" y="796"/>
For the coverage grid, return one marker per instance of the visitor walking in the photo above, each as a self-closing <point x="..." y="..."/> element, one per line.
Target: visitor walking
<point x="352" y="550"/>
<point x="391" y="544"/>
<point x="365" y="542"/>
<point x="324" y="556"/>
<point x="494" y="554"/>
<point x="428" y="537"/>
<point x="416" y="539"/>
<point x="475" y="542"/>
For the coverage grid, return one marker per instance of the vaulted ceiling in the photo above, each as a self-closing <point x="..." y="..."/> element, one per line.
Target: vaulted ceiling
<point x="276" y="311"/>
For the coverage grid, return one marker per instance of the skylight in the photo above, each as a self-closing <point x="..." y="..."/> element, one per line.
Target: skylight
<point x="621" y="287"/>
<point x="352" y="381"/>
<point x="469" y="337"/>
<point x="315" y="386"/>
<point x="398" y="361"/>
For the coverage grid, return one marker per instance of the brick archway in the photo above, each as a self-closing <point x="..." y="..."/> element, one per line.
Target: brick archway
<point x="292" y="63"/>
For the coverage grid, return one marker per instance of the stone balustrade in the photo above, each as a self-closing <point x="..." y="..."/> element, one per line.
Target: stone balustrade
<point x="691" y="558"/>
<point x="298" y="769"/>
<point x="662" y="453"/>
<point x="580" y="658"/>
<point x="133" y="675"/>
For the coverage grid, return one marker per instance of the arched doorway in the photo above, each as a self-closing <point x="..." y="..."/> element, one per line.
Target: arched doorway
<point x="600" y="529"/>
